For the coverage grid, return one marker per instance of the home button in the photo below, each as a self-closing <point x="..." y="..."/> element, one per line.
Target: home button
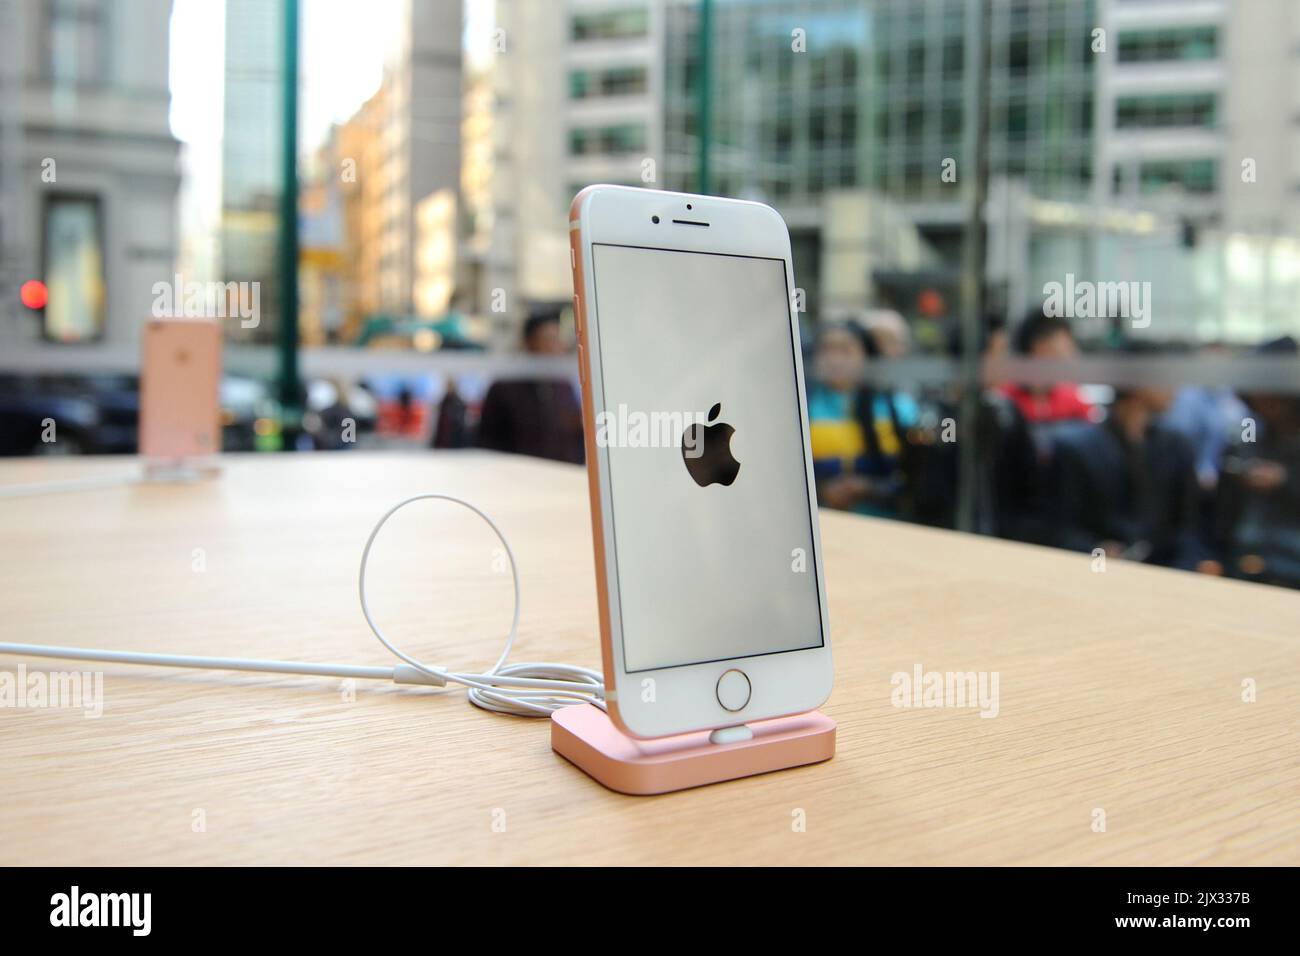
<point x="733" y="690"/>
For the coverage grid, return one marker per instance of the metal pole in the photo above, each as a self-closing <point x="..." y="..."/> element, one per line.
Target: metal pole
<point x="973" y="259"/>
<point x="290" y="387"/>
<point x="704" y="92"/>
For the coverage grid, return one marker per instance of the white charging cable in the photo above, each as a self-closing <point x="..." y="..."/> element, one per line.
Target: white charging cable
<point x="92" y="483"/>
<point x="524" y="690"/>
<point x="152" y="473"/>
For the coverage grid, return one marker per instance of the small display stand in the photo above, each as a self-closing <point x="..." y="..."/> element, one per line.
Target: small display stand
<point x="180" y="470"/>
<point x="585" y="736"/>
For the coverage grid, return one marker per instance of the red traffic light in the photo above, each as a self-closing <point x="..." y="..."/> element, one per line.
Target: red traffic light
<point x="34" y="295"/>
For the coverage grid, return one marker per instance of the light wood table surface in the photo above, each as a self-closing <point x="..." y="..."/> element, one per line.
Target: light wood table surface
<point x="1119" y="691"/>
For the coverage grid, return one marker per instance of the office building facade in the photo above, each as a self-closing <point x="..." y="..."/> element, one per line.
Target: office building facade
<point x="1174" y="73"/>
<point x="815" y="101"/>
<point x="399" y="149"/>
<point x="420" y="154"/>
<point x="577" y="98"/>
<point x="820" y="95"/>
<point x="88" y="167"/>
<point x="252" y="175"/>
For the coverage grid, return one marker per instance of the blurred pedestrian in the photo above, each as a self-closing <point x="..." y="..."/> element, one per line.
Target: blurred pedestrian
<point x="1259" y="486"/>
<point x="335" y="424"/>
<point x="538" y="417"/>
<point x="1048" y="338"/>
<point x="858" y="433"/>
<point x="1208" y="416"/>
<point x="890" y="336"/>
<point x="1127" y="486"/>
<point x="451" y="429"/>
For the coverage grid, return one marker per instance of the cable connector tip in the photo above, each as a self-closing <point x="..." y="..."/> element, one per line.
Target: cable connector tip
<point x="406" y="674"/>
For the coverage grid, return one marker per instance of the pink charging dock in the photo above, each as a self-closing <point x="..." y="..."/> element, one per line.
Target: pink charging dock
<point x="585" y="736"/>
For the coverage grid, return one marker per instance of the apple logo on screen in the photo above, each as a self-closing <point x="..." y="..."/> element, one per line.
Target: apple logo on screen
<point x="706" y="450"/>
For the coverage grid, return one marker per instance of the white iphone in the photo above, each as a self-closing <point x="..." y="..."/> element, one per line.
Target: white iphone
<point x="704" y="511"/>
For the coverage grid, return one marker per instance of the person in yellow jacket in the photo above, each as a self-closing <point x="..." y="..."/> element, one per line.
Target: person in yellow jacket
<point x="858" y="434"/>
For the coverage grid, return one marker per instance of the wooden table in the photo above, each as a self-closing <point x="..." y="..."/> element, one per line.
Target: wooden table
<point x="1119" y="691"/>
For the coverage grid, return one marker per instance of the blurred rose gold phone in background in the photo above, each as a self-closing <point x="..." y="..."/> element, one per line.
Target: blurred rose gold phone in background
<point x="180" y="377"/>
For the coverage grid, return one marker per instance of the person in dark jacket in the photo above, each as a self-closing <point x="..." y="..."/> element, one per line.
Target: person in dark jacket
<point x="538" y="417"/>
<point x="1127" y="486"/>
<point x="1259" y="491"/>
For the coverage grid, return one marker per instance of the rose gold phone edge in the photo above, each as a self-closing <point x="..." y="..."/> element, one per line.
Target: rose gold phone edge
<point x="591" y="452"/>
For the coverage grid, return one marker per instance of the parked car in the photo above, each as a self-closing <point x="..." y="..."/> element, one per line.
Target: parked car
<point x="43" y="415"/>
<point x="100" y="414"/>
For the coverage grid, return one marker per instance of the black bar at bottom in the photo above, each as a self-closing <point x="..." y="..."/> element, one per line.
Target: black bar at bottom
<point x="331" y="906"/>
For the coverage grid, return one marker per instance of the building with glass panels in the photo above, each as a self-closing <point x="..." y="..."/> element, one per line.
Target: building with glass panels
<point x="1199" y="106"/>
<point x="855" y="118"/>
<point x="1162" y="98"/>
<point x="846" y="93"/>
<point x="814" y="97"/>
<point x="251" y="150"/>
<point x="613" y="99"/>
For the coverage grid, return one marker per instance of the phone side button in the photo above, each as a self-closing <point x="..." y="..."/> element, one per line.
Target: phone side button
<point x="577" y="315"/>
<point x="582" y="366"/>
